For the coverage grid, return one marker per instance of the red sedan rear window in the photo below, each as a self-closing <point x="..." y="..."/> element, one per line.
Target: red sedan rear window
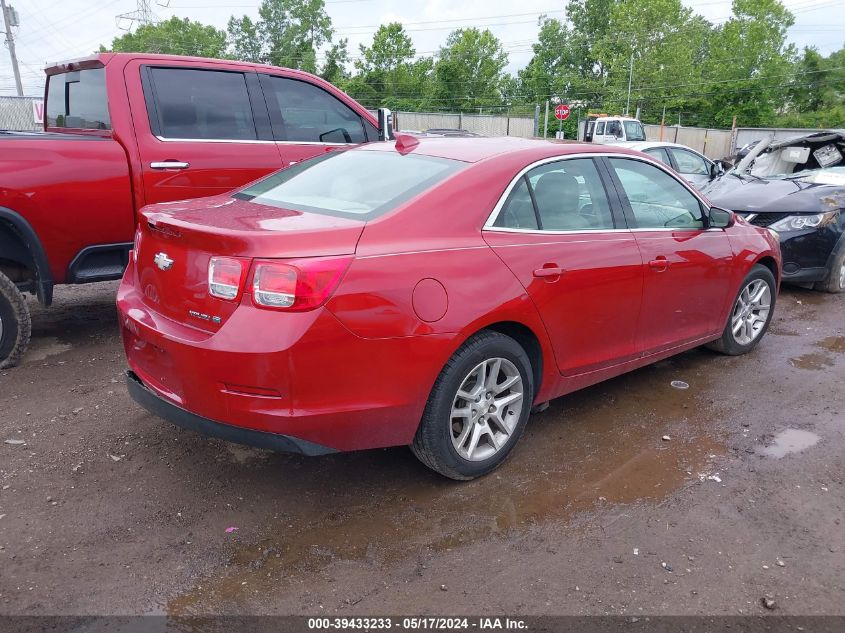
<point x="357" y="184"/>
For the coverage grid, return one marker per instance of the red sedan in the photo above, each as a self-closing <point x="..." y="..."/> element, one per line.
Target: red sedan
<point x="429" y="293"/>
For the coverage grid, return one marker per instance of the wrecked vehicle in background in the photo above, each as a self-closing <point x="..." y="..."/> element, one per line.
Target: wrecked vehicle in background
<point x="795" y="187"/>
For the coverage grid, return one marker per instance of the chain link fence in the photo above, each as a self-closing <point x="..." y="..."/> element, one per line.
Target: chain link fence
<point x="21" y="114"/>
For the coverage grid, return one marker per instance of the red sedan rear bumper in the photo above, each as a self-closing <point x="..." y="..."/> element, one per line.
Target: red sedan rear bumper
<point x="300" y="375"/>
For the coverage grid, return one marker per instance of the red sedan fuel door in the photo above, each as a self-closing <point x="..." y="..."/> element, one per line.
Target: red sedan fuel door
<point x="687" y="268"/>
<point x="557" y="233"/>
<point x="201" y="131"/>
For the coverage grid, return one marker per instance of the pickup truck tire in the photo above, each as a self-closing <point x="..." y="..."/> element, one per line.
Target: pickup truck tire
<point x="835" y="280"/>
<point x="15" y="323"/>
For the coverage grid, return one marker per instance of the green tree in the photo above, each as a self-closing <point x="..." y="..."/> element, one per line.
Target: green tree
<point x="288" y="33"/>
<point x="817" y="92"/>
<point x="811" y="84"/>
<point x="553" y="69"/>
<point x="468" y="71"/>
<point x="388" y="76"/>
<point x="391" y="48"/>
<point x="666" y="43"/>
<point x="749" y="63"/>
<point x="244" y="40"/>
<point x="176" y="36"/>
<point x="334" y="68"/>
<point x="295" y="30"/>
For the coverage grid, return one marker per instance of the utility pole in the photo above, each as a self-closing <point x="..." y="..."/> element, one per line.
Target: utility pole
<point x="546" y="121"/>
<point x="630" y="77"/>
<point x="10" y="17"/>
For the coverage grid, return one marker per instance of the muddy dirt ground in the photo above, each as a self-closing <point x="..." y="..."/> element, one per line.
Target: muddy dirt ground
<point x="105" y="509"/>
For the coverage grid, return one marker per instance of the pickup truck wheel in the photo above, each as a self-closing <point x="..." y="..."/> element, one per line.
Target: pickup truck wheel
<point x="751" y="314"/>
<point x="835" y="280"/>
<point x="15" y="323"/>
<point x="477" y="409"/>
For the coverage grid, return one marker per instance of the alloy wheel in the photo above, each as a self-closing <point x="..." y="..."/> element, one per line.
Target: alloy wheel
<point x="841" y="279"/>
<point x="486" y="409"/>
<point x="751" y="311"/>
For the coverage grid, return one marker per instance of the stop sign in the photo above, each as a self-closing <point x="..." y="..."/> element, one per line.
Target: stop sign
<point x="562" y="112"/>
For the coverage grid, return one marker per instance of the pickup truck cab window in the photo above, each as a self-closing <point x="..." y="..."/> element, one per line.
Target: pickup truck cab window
<point x="202" y="104"/>
<point x="614" y="128"/>
<point x="304" y="113"/>
<point x="77" y="99"/>
<point x="656" y="199"/>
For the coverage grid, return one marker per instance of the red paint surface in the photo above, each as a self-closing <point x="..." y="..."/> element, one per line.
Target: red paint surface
<point x="561" y="112"/>
<point x="430" y="300"/>
<point x="78" y="193"/>
<point x="357" y="371"/>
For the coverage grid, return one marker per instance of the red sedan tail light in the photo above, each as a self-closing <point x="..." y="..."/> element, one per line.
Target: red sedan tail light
<point x="224" y="277"/>
<point x="298" y="284"/>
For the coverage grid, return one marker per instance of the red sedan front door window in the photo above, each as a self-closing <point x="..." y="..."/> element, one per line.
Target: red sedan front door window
<point x="579" y="263"/>
<point x="687" y="267"/>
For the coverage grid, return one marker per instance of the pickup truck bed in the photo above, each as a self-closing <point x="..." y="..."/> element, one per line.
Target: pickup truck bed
<point x="73" y="192"/>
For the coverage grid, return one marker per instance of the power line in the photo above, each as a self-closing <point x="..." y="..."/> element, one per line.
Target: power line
<point x="142" y="15"/>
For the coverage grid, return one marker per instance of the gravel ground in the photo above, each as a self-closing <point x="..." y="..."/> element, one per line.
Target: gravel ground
<point x="105" y="509"/>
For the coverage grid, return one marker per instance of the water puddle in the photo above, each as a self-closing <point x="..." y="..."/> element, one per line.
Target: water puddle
<point x="790" y="441"/>
<point x="813" y="360"/>
<point x="600" y="446"/>
<point x="834" y="344"/>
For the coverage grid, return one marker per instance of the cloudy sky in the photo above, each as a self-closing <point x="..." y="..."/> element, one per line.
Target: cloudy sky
<point x="53" y="30"/>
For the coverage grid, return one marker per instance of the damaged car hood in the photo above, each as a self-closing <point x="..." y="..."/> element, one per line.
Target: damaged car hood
<point x="814" y="190"/>
<point x="774" y="195"/>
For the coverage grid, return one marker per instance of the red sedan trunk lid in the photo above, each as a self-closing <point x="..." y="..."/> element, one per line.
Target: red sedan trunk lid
<point x="178" y="240"/>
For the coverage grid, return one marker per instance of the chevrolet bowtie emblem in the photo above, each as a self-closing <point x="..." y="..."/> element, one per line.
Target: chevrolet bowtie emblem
<point x="163" y="261"/>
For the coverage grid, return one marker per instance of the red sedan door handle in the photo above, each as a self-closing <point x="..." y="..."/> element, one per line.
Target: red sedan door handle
<point x="549" y="272"/>
<point x="660" y="264"/>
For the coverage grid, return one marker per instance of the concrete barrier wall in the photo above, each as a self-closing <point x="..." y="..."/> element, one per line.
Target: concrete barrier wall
<point x="712" y="143"/>
<point x="484" y="124"/>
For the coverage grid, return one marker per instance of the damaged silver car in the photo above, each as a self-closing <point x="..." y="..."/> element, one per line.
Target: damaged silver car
<point x="796" y="188"/>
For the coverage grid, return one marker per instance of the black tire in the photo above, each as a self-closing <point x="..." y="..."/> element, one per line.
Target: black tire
<point x="727" y="343"/>
<point x="834" y="281"/>
<point x="15" y="323"/>
<point x="433" y="444"/>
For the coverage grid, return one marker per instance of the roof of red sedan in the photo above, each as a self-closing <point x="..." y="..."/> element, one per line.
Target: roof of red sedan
<point x="474" y="149"/>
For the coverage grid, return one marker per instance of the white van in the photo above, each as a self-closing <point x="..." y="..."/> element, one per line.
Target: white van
<point x="613" y="129"/>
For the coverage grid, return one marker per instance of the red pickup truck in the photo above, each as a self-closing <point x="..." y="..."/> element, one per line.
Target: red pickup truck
<point x="126" y="130"/>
